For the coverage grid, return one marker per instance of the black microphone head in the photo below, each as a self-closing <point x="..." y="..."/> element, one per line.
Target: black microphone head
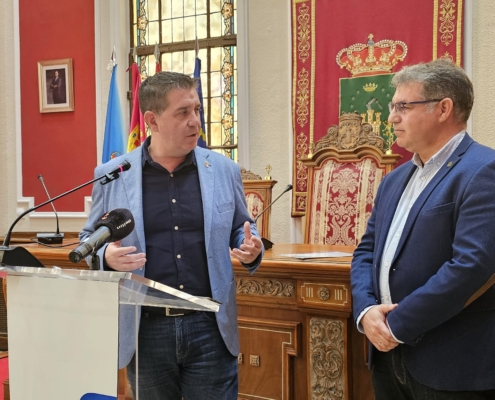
<point x="120" y="222"/>
<point x="289" y="187"/>
<point x="126" y="166"/>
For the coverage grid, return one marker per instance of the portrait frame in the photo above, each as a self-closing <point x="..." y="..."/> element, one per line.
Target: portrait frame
<point x="56" y="88"/>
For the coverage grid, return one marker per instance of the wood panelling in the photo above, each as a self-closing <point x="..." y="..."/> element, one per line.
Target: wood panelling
<point x="265" y="360"/>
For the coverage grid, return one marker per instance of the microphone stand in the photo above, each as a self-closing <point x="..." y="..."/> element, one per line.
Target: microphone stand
<point x="266" y="243"/>
<point x="19" y="255"/>
<point x="50" y="238"/>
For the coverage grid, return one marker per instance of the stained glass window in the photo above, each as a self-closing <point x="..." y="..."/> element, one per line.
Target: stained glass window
<point x="174" y="25"/>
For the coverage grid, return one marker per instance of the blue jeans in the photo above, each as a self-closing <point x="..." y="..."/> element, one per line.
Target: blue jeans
<point x="185" y="357"/>
<point x="392" y="381"/>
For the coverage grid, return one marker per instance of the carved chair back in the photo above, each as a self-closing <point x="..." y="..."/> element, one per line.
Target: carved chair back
<point x="345" y="171"/>
<point x="258" y="194"/>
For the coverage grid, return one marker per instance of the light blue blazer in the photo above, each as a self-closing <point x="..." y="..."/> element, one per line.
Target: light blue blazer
<point x="224" y="209"/>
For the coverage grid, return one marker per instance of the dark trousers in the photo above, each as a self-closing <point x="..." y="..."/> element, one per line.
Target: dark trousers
<point x="183" y="358"/>
<point x="392" y="381"/>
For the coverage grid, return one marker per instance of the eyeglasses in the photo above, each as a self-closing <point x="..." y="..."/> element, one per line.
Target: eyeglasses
<point x="401" y="107"/>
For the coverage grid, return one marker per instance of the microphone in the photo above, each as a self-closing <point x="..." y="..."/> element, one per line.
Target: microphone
<point x="113" y="226"/>
<point x="111" y="176"/>
<point x="50" y="238"/>
<point x="266" y="242"/>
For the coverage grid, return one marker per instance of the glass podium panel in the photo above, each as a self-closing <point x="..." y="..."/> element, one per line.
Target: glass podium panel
<point x="134" y="289"/>
<point x="84" y="307"/>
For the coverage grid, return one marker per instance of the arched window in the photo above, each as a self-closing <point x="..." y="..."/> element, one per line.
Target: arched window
<point x="174" y="25"/>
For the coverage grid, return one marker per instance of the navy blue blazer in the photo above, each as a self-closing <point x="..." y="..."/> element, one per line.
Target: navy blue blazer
<point x="445" y="254"/>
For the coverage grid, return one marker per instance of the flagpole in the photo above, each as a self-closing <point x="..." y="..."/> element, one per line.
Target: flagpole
<point x="113" y="137"/>
<point x="202" y="141"/>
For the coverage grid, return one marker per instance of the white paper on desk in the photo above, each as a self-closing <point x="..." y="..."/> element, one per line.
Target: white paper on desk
<point x="327" y="254"/>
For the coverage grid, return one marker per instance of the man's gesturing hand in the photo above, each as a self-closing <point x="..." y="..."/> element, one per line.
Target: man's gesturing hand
<point x="249" y="249"/>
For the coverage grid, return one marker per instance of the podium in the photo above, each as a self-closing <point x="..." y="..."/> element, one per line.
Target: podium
<point x="63" y="328"/>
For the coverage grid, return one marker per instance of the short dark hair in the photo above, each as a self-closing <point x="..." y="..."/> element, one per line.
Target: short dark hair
<point x="154" y="89"/>
<point x="441" y="79"/>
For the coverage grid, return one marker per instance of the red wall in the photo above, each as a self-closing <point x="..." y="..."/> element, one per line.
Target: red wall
<point x="61" y="146"/>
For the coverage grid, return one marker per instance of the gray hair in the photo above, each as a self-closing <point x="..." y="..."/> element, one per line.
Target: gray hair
<point x="441" y="79"/>
<point x="154" y="90"/>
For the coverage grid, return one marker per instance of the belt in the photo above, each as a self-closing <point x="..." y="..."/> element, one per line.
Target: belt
<point x="167" y="311"/>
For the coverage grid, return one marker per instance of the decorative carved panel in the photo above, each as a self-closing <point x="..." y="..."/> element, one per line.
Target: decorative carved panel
<point x="325" y="294"/>
<point x="249" y="176"/>
<point x="254" y="360"/>
<point x="327" y="360"/>
<point x="350" y="133"/>
<point x="265" y="287"/>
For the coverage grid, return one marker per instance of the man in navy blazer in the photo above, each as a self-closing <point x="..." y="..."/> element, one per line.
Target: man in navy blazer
<point x="189" y="209"/>
<point x="422" y="275"/>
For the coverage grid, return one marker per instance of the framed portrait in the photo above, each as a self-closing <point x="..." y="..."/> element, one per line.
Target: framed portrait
<point x="55" y="81"/>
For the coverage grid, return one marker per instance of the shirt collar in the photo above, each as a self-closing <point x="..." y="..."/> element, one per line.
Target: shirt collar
<point x="190" y="157"/>
<point x="441" y="155"/>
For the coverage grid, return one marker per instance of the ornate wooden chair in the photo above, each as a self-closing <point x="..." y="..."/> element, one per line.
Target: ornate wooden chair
<point x="347" y="166"/>
<point x="258" y="194"/>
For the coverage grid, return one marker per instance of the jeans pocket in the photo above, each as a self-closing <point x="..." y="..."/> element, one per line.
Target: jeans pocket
<point x="210" y="316"/>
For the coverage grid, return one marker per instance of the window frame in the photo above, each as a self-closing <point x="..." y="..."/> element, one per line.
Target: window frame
<point x="143" y="51"/>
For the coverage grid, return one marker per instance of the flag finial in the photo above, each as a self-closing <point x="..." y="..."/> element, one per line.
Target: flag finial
<point x="196" y="47"/>
<point x="113" y="60"/>
<point x="157" y="52"/>
<point x="158" y="65"/>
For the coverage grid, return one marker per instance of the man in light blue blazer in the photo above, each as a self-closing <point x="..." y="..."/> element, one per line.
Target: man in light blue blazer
<point x="422" y="275"/>
<point x="190" y="219"/>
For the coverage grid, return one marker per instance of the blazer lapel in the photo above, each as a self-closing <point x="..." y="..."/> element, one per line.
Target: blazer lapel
<point x="206" y="172"/>
<point x="425" y="194"/>
<point x="133" y="186"/>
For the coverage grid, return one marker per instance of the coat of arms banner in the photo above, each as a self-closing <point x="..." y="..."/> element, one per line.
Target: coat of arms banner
<point x="344" y="54"/>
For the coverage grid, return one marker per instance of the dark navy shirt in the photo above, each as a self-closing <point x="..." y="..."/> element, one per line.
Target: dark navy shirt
<point x="174" y="225"/>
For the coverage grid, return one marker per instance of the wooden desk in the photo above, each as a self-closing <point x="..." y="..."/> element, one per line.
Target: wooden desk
<point x="58" y="257"/>
<point x="298" y="340"/>
<point x="297" y="337"/>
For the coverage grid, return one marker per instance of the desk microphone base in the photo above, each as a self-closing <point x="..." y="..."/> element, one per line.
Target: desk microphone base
<point x="266" y="243"/>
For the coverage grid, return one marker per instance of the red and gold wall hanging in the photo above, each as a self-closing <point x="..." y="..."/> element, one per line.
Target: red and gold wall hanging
<point x="344" y="54"/>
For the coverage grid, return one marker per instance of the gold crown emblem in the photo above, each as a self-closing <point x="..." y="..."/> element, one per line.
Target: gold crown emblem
<point x="360" y="59"/>
<point x="370" y="87"/>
